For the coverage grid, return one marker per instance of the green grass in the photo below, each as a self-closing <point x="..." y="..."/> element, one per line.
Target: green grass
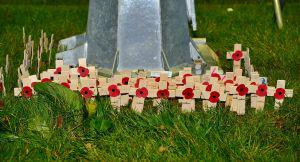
<point x="28" y="127"/>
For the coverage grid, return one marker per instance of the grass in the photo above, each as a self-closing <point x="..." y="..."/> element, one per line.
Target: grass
<point x="28" y="128"/>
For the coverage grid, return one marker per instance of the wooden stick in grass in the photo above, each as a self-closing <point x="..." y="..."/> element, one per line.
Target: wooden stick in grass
<point x="46" y="42"/>
<point x="24" y="35"/>
<point x="7" y="64"/>
<point x="50" y="48"/>
<point x="2" y="81"/>
<point x="41" y="45"/>
<point x="24" y="57"/>
<point x="38" y="60"/>
<point x="32" y="52"/>
<point x="29" y="46"/>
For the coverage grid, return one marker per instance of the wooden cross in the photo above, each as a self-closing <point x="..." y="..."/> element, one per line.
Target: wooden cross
<point x="206" y="96"/>
<point x="241" y="100"/>
<point x="252" y="85"/>
<point x="82" y="62"/>
<point x="138" y="104"/>
<point x="188" y="105"/>
<point x="116" y="102"/>
<point x="119" y="101"/>
<point x="230" y="78"/>
<point x="102" y="90"/>
<point x="280" y="94"/>
<point x="59" y="63"/>
<point x="237" y="48"/>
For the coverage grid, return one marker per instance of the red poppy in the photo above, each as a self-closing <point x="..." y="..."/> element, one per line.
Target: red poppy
<point x="216" y="75"/>
<point x="137" y="83"/>
<point x="234" y="78"/>
<point x="58" y="70"/>
<point x="252" y="83"/>
<point x="27" y="92"/>
<point x="163" y="93"/>
<point x="242" y="89"/>
<point x="184" y="78"/>
<point x="141" y="92"/>
<point x="188" y="93"/>
<point x="33" y="84"/>
<point x="214" y="97"/>
<point x="228" y="81"/>
<point x="205" y="83"/>
<point x="208" y="87"/>
<point x="113" y="90"/>
<point x="45" y="80"/>
<point x="237" y="55"/>
<point x="279" y="93"/>
<point x="65" y="84"/>
<point x="125" y="80"/>
<point x="261" y="90"/>
<point x="86" y="92"/>
<point x="83" y="72"/>
<point x="1" y="86"/>
<point x="157" y="79"/>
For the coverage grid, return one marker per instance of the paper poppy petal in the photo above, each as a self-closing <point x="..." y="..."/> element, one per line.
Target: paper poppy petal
<point x="86" y="92"/>
<point x="27" y="92"/>
<point x="83" y="72"/>
<point x="113" y="91"/>
<point x="216" y="75"/>
<point x="237" y="55"/>
<point x="58" y="70"/>
<point x="184" y="78"/>
<point x="65" y="84"/>
<point x="279" y="93"/>
<point x="242" y="90"/>
<point x="261" y="90"/>
<point x="228" y="82"/>
<point x="208" y="87"/>
<point x="142" y="92"/>
<point x="188" y="93"/>
<point x="163" y="93"/>
<point x="125" y="80"/>
<point x="205" y="83"/>
<point x="214" y="97"/>
<point x="157" y="79"/>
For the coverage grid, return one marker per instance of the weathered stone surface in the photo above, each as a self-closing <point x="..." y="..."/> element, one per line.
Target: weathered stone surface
<point x="139" y="35"/>
<point x="175" y="32"/>
<point x="146" y="34"/>
<point x="102" y="32"/>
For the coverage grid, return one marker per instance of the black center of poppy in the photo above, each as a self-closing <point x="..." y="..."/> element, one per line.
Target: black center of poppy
<point x="141" y="92"/>
<point x="113" y="90"/>
<point x="126" y="82"/>
<point x="237" y="55"/>
<point x="26" y="91"/>
<point x="241" y="89"/>
<point x="280" y="93"/>
<point x="262" y="90"/>
<point x="82" y="70"/>
<point x="86" y="92"/>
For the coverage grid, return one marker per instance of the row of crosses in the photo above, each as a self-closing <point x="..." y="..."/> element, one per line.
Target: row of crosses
<point x="134" y="87"/>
